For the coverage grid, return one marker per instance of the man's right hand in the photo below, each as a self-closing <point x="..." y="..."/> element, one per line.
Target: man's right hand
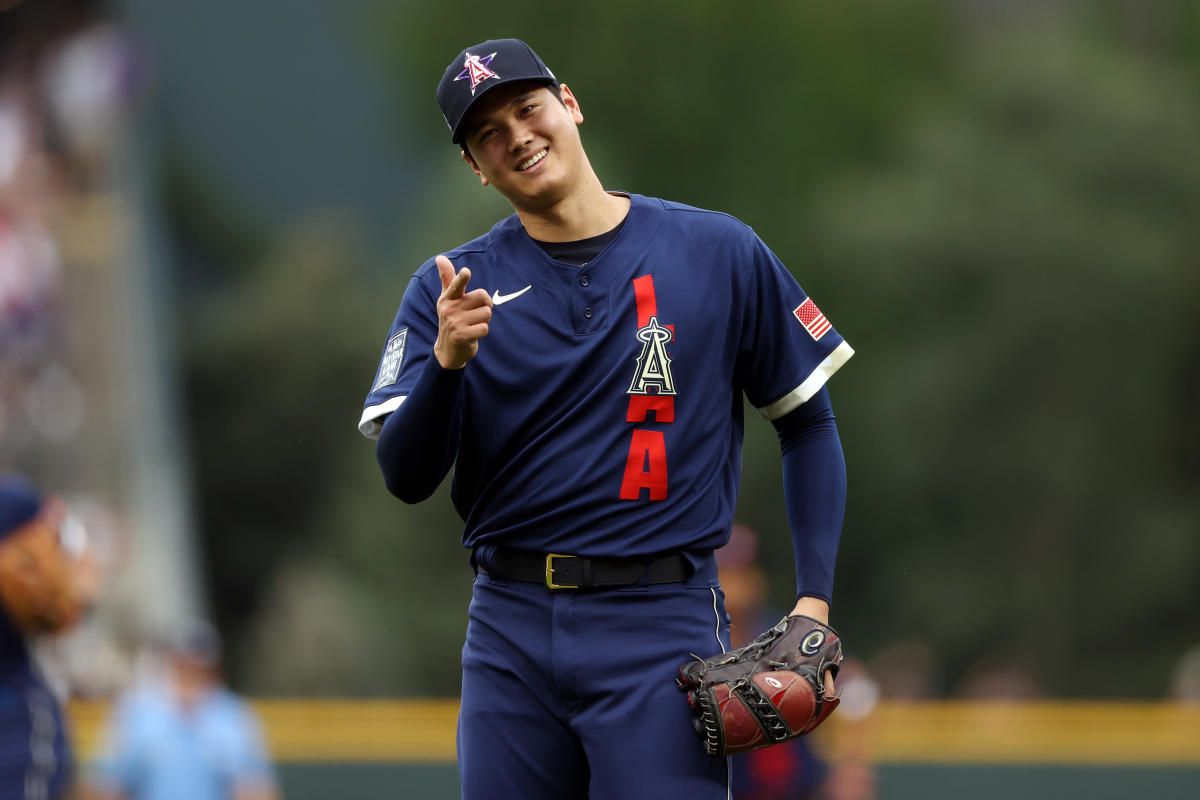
<point x="462" y="317"/>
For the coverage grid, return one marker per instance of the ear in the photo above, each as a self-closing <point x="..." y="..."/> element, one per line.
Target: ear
<point x="571" y="103"/>
<point x="474" y="167"/>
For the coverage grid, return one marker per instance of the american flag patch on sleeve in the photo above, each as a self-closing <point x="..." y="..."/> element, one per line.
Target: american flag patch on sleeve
<point x="812" y="319"/>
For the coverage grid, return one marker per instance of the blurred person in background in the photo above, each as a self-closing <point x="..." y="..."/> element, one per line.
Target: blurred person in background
<point x="44" y="588"/>
<point x="793" y="770"/>
<point x="998" y="676"/>
<point x="1185" y="677"/>
<point x="184" y="736"/>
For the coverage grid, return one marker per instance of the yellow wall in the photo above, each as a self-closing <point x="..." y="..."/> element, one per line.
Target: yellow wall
<point x="945" y="732"/>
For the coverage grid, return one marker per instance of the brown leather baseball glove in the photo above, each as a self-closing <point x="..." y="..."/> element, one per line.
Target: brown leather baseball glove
<point x="769" y="691"/>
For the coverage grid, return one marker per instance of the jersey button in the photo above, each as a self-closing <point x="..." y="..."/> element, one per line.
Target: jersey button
<point x="587" y="312"/>
<point x="585" y="280"/>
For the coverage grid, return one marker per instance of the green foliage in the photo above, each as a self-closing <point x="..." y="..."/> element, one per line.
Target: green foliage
<point x="1021" y="284"/>
<point x="274" y="375"/>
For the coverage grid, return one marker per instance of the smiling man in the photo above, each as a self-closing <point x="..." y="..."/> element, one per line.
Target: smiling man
<point x="582" y="367"/>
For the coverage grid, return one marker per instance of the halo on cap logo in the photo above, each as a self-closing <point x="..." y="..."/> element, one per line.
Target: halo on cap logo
<point x="812" y="643"/>
<point x="476" y="68"/>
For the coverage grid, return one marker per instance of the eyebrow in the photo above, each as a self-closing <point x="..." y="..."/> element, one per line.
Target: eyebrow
<point x="516" y="101"/>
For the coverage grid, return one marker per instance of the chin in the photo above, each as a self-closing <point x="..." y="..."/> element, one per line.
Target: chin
<point x="544" y="195"/>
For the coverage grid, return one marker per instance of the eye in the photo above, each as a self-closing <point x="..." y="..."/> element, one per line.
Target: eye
<point x="529" y="109"/>
<point x="483" y="136"/>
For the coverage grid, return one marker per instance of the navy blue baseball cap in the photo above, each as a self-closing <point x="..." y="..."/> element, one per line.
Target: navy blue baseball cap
<point x="197" y="639"/>
<point x="482" y="67"/>
<point x="20" y="502"/>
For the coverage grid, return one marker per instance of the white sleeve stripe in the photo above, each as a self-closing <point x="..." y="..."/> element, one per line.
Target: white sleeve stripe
<point x="371" y="422"/>
<point x="812" y="384"/>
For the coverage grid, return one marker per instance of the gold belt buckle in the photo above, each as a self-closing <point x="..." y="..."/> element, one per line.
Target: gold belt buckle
<point x="550" y="584"/>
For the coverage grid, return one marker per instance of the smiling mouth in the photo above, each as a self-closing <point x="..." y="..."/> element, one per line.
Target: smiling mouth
<point x="536" y="159"/>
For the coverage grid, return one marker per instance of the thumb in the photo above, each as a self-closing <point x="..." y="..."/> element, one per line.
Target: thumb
<point x="830" y="689"/>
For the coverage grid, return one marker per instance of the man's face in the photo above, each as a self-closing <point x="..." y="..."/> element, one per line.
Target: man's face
<point x="523" y="141"/>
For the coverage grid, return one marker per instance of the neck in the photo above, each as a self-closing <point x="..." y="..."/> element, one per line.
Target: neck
<point x="588" y="212"/>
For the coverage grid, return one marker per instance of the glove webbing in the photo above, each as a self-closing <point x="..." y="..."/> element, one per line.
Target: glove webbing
<point x="769" y="720"/>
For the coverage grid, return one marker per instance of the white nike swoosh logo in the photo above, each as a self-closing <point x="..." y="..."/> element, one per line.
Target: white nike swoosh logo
<point x="498" y="298"/>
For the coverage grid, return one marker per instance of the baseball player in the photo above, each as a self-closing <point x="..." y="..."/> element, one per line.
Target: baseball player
<point x="581" y="366"/>
<point x="39" y="593"/>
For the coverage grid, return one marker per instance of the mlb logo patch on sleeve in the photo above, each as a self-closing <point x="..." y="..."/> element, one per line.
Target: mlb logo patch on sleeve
<point x="393" y="356"/>
<point x="812" y="319"/>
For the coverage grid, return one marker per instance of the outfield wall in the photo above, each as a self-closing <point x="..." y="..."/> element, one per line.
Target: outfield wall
<point x="405" y="748"/>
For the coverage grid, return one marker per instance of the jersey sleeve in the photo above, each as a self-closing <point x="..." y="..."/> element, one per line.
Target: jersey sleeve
<point x="408" y="346"/>
<point x="788" y="347"/>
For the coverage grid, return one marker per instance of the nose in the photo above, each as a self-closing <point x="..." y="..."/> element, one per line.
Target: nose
<point x="521" y="137"/>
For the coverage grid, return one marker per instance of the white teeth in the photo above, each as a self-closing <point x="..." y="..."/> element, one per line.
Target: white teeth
<point x="534" y="160"/>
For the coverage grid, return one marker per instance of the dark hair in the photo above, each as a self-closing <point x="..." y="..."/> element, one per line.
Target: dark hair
<point x="463" y="144"/>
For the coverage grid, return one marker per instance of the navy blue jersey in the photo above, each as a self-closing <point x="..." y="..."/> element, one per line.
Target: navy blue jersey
<point x="602" y="415"/>
<point x="35" y="760"/>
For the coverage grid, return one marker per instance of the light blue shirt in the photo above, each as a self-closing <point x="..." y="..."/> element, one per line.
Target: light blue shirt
<point x="157" y="750"/>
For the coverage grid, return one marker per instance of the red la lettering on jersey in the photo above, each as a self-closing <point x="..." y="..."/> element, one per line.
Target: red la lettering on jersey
<point x="646" y="464"/>
<point x="640" y="406"/>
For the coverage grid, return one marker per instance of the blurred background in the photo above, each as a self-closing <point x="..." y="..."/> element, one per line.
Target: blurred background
<point x="209" y="212"/>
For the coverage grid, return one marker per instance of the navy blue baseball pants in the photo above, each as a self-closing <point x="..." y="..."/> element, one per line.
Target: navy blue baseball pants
<point x="572" y="694"/>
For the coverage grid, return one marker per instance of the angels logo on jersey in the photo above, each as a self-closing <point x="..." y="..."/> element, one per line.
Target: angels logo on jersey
<point x="653" y="365"/>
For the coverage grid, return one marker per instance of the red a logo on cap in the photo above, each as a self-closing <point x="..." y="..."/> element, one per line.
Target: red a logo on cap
<point x="476" y="69"/>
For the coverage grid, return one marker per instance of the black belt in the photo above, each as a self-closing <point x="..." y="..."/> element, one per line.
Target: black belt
<point x="557" y="571"/>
